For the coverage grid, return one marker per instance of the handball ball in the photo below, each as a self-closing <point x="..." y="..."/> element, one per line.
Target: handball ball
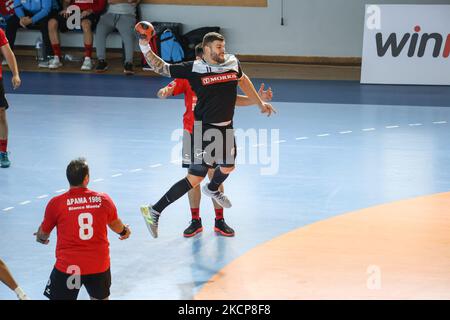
<point x="145" y="30"/>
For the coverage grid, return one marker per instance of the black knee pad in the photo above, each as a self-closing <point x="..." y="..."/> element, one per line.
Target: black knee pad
<point x="198" y="170"/>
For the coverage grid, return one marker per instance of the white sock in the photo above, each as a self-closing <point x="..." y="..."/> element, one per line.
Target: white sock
<point x="21" y="294"/>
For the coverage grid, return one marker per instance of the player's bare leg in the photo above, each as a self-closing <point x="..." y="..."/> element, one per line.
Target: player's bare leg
<point x="4" y="160"/>
<point x="7" y="278"/>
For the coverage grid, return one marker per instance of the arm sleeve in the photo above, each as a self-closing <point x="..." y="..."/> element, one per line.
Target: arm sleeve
<point x="45" y="10"/>
<point x="50" y="217"/>
<point x="3" y="39"/>
<point x="181" y="70"/>
<point x="180" y="87"/>
<point x="240" y="72"/>
<point x="18" y="9"/>
<point x="111" y="209"/>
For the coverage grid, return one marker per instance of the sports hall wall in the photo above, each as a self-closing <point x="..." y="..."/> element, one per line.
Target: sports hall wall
<point x="323" y="28"/>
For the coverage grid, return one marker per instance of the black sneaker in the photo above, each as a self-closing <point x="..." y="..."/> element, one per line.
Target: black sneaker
<point x="128" y="69"/>
<point x="194" y="228"/>
<point x="102" y="66"/>
<point x="222" y="228"/>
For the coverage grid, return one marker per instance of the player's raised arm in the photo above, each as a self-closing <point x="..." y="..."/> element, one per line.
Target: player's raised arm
<point x="145" y="32"/>
<point x="247" y="87"/>
<point x="265" y="95"/>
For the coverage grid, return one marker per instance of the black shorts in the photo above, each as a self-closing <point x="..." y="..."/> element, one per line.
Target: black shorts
<point x="3" y="101"/>
<point x="60" y="287"/>
<point x="62" y="22"/>
<point x="213" y="146"/>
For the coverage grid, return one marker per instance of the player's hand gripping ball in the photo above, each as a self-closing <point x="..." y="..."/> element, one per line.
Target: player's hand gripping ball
<point x="144" y="30"/>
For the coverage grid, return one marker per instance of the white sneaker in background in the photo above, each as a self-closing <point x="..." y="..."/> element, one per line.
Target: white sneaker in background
<point x="87" y="64"/>
<point x="54" y="63"/>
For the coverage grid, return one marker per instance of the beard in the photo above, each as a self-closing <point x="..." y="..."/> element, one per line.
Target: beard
<point x="217" y="58"/>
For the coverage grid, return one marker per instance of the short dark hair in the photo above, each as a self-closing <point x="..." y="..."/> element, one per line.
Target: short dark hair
<point x="76" y="171"/>
<point x="199" y="50"/>
<point x="211" y="37"/>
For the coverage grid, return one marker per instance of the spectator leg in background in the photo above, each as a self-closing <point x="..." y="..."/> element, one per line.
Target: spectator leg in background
<point x="53" y="33"/>
<point x="43" y="26"/>
<point x="125" y="26"/>
<point x="12" y="25"/>
<point x="88" y="37"/>
<point x="104" y="27"/>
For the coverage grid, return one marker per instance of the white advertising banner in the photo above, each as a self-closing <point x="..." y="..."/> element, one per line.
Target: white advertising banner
<point x="406" y="44"/>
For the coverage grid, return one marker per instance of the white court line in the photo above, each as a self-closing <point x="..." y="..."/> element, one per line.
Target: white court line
<point x="98" y="180"/>
<point x="155" y="165"/>
<point x="136" y="170"/>
<point x="61" y="190"/>
<point x="116" y="175"/>
<point x="258" y="145"/>
<point x="345" y="132"/>
<point x="440" y="122"/>
<point x="302" y="138"/>
<point x="323" y="135"/>
<point x="392" y="127"/>
<point x="279" y="141"/>
<point x="368" y="129"/>
<point x="42" y="196"/>
<point x="8" y="209"/>
<point x="25" y="202"/>
<point x="415" y="124"/>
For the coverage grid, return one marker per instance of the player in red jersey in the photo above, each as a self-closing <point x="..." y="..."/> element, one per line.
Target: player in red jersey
<point x="11" y="59"/>
<point x="81" y="216"/>
<point x="182" y="86"/>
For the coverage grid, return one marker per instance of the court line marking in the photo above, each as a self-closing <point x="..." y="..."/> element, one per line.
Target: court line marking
<point x="257" y="145"/>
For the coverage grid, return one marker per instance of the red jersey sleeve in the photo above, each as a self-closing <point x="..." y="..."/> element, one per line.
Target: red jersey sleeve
<point x="3" y="39"/>
<point x="50" y="217"/>
<point x="111" y="207"/>
<point x="180" y="86"/>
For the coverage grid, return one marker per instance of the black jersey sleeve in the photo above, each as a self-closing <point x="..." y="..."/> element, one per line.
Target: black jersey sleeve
<point x="240" y="72"/>
<point x="181" y="70"/>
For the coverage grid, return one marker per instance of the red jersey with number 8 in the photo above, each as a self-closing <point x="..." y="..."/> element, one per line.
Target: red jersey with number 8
<point x="81" y="217"/>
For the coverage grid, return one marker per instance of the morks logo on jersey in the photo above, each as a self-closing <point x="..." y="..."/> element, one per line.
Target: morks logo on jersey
<point x="220" y="78"/>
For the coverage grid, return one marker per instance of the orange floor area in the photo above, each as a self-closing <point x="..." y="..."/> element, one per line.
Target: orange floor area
<point x="393" y="251"/>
